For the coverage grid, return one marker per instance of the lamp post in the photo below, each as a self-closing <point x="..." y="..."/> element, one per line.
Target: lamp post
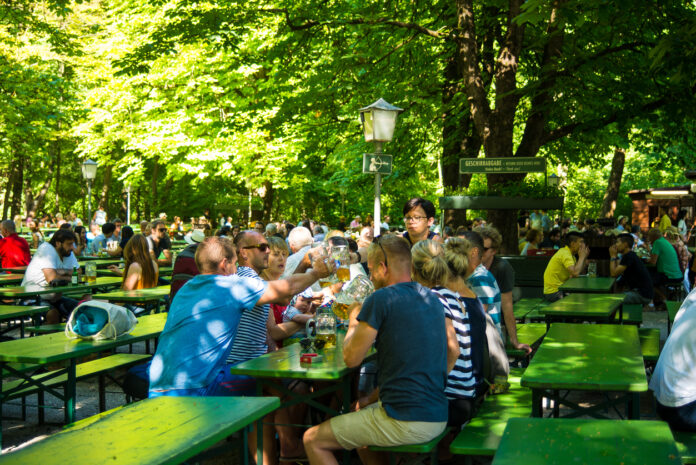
<point x="378" y="120"/>
<point x="128" y="193"/>
<point x="554" y="180"/>
<point x="89" y="172"/>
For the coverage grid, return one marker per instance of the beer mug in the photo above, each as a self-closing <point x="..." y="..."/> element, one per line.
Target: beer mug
<point x="355" y="291"/>
<point x="341" y="255"/>
<point x="322" y="328"/>
<point x="592" y="269"/>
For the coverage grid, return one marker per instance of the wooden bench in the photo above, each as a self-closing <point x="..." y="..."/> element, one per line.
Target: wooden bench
<point x="649" y="343"/>
<point x="686" y="444"/>
<point x="422" y="452"/>
<point x="482" y="435"/>
<point x="530" y="334"/>
<point x="672" y="309"/>
<point x="632" y="314"/>
<point x="46" y="329"/>
<point x="98" y="367"/>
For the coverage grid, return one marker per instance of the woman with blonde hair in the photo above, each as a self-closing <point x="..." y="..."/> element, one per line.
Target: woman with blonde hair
<point x="443" y="269"/>
<point x="140" y="271"/>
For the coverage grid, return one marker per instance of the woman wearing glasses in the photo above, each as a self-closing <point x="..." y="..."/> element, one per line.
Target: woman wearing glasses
<point x="443" y="270"/>
<point x="419" y="216"/>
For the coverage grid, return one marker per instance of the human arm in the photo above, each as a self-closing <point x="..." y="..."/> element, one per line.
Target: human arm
<point x="116" y="270"/>
<point x="115" y="252"/>
<point x="302" y="318"/>
<point x="452" y="344"/>
<point x="283" y="289"/>
<point x="615" y="268"/>
<point x="510" y="323"/>
<point x="359" y="338"/>
<point x="167" y="260"/>
<point x="575" y="270"/>
<point x="133" y="275"/>
<point x="283" y="330"/>
<point x="56" y="273"/>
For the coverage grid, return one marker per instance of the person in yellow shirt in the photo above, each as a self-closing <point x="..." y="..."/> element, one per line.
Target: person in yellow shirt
<point x="665" y="221"/>
<point x="563" y="265"/>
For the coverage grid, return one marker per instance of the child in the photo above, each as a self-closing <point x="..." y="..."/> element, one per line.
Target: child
<point x="300" y="310"/>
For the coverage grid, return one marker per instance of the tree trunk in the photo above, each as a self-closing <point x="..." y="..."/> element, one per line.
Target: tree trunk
<point x="35" y="202"/>
<point x="55" y="145"/>
<point x="617" y="166"/>
<point x="268" y="201"/>
<point x="152" y="203"/>
<point x="8" y="191"/>
<point x="16" y="206"/>
<point x="505" y="221"/>
<point x="106" y="187"/>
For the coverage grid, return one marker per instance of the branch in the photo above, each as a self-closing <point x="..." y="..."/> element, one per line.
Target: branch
<point x="619" y="48"/>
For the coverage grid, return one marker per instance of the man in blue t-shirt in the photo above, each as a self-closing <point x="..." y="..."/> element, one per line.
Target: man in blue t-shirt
<point x="203" y="318"/>
<point x="407" y="324"/>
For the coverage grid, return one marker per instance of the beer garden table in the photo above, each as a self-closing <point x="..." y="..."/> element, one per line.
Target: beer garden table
<point x="163" y="271"/>
<point x="27" y="292"/>
<point x="551" y="441"/>
<point x="137" y="296"/>
<point x="577" y="357"/>
<point x="588" y="284"/>
<point x="57" y="348"/>
<point x="6" y="279"/>
<point x="163" y="430"/>
<point x="19" y="312"/>
<point x="593" y="307"/>
<point x="14" y="269"/>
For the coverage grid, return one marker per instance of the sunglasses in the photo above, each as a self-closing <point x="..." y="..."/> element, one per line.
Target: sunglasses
<point x="162" y="229"/>
<point x="262" y="247"/>
<point x="376" y="241"/>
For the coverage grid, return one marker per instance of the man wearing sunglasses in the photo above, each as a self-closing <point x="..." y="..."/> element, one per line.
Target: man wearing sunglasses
<point x="406" y="322"/>
<point x="159" y="243"/>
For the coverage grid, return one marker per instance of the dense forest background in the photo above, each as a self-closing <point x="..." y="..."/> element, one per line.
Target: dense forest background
<point x="234" y="106"/>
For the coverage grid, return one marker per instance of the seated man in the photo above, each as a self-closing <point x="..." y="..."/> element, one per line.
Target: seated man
<point x="664" y="257"/>
<point x="159" y="244"/>
<point x="107" y="235"/>
<point x="632" y="273"/>
<point x="53" y="260"/>
<point x="674" y="378"/>
<point x="14" y="250"/>
<point x="409" y="405"/>
<point x="563" y="266"/>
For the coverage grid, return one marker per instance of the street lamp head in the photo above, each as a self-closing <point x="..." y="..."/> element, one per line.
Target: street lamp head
<point x="379" y="120"/>
<point x="89" y="170"/>
<point x="554" y="180"/>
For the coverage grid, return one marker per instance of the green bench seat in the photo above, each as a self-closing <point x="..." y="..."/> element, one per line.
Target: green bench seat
<point x="523" y="306"/>
<point x="482" y="435"/>
<point x="46" y="329"/>
<point x="98" y="367"/>
<point x="632" y="314"/>
<point x="672" y="309"/>
<point x="686" y="444"/>
<point x="649" y="343"/>
<point x="530" y="334"/>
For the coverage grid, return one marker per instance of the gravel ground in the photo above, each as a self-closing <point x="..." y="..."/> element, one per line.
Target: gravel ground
<point x="17" y="433"/>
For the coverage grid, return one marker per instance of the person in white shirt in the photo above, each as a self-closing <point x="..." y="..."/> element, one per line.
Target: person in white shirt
<point x="674" y="378"/>
<point x="53" y="260"/>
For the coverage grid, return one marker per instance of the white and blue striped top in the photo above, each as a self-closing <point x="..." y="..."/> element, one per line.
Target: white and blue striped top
<point x="250" y="341"/>
<point x="461" y="382"/>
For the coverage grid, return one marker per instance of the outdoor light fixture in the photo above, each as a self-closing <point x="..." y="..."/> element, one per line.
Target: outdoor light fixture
<point x="669" y="193"/>
<point x="379" y="120"/>
<point x="554" y="180"/>
<point x="89" y="172"/>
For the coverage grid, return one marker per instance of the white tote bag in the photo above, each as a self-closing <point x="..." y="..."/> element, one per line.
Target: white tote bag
<point x="96" y="320"/>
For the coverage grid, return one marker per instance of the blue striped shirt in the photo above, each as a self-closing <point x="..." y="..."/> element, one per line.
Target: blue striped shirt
<point x="461" y="382"/>
<point x="250" y="341"/>
<point x="486" y="289"/>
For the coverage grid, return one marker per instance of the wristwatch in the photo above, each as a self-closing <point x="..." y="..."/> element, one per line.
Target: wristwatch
<point x="613" y="259"/>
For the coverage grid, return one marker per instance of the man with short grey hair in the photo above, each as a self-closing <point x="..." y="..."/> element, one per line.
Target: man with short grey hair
<point x="300" y="241"/>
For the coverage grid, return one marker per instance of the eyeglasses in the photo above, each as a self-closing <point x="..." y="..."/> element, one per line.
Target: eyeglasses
<point x="376" y="241"/>
<point x="162" y="229"/>
<point x="414" y="219"/>
<point x="262" y="247"/>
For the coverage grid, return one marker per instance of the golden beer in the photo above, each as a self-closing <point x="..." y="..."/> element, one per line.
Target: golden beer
<point x="343" y="274"/>
<point x="91" y="279"/>
<point x="324" y="282"/>
<point x="328" y="338"/>
<point x="340" y="310"/>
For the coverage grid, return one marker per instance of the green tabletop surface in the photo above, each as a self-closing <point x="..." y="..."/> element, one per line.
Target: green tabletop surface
<point x="551" y="441"/>
<point x="15" y="269"/>
<point x="163" y="271"/>
<point x="102" y="262"/>
<point x="18" y="292"/>
<point x="8" y="312"/>
<point x="285" y="363"/>
<point x="587" y="284"/>
<point x="6" y="279"/>
<point x="600" y="306"/>
<point x="49" y="348"/>
<point x="523" y="306"/>
<point x="138" y="295"/>
<point x="588" y="357"/>
<point x="163" y="430"/>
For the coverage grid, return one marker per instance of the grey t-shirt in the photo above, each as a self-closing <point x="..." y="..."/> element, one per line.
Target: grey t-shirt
<point x="503" y="273"/>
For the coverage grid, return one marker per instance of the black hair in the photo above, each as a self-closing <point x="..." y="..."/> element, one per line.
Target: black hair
<point x="108" y="228"/>
<point x="338" y="240"/>
<point x="67" y="226"/>
<point x="426" y="205"/>
<point x="61" y="236"/>
<point x="473" y="237"/>
<point x="126" y="234"/>
<point x="573" y="236"/>
<point x="627" y="238"/>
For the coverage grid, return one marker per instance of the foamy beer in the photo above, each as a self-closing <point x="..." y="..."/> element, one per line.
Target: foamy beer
<point x="355" y="292"/>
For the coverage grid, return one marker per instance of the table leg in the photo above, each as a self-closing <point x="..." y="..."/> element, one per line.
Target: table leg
<point x="536" y="402"/>
<point x="245" y="445"/>
<point x="634" y="405"/>
<point x="259" y="442"/>
<point x="70" y="389"/>
<point x="621" y="314"/>
<point x="2" y="396"/>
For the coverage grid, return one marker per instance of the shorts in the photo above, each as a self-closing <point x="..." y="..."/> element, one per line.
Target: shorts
<point x="225" y="384"/>
<point x="371" y="426"/>
<point x="553" y="297"/>
<point x="634" y="297"/>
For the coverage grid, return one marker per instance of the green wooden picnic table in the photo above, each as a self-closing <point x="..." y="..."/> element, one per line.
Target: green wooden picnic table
<point x="14" y="269"/>
<point x="577" y="357"/>
<point x="523" y="306"/>
<point x="163" y="430"/>
<point x="138" y="296"/>
<point x="24" y="292"/>
<point x="56" y="347"/>
<point x="550" y="441"/>
<point x="163" y="271"/>
<point x="593" y="307"/>
<point x="588" y="284"/>
<point x="19" y="312"/>
<point x="7" y="279"/>
<point x="102" y="262"/>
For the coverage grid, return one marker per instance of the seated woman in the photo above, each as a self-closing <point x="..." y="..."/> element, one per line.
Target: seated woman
<point x="533" y="239"/>
<point x="276" y="266"/>
<point x="81" y="242"/>
<point x="37" y="236"/>
<point x="140" y="271"/>
<point x="126" y="235"/>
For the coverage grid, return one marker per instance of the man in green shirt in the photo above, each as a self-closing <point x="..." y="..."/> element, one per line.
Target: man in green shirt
<point x="666" y="269"/>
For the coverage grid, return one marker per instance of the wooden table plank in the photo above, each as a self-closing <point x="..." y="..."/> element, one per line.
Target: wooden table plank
<point x="136" y="296"/>
<point x="589" y="306"/>
<point x="587" y="284"/>
<point x="551" y="441"/>
<point x="20" y="292"/>
<point x="163" y="430"/>
<point x="8" y="312"/>
<point x="8" y="279"/>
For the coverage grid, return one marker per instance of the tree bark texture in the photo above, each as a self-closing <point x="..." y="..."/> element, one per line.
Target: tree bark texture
<point x="106" y="187"/>
<point x="614" y="184"/>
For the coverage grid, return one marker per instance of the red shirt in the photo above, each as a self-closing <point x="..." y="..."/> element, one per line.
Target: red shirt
<point x="14" y="251"/>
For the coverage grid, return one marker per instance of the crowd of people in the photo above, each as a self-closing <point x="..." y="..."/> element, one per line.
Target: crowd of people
<point x="239" y="293"/>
